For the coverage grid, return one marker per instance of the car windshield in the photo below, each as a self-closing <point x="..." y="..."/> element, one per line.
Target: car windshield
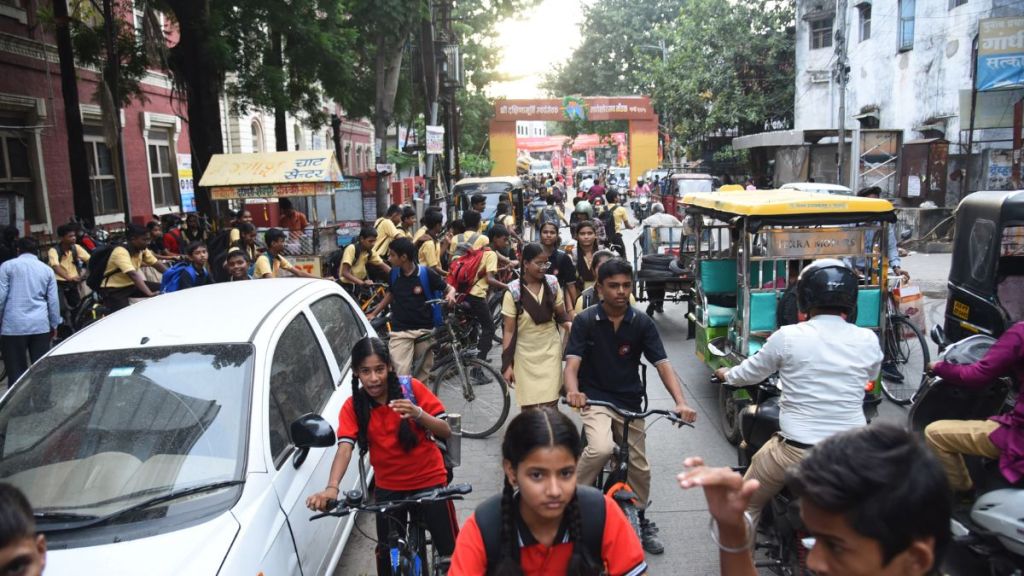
<point x="493" y="192"/>
<point x="686" y="186"/>
<point x="93" y="434"/>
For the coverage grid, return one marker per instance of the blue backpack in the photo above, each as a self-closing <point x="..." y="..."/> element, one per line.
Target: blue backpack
<point x="427" y="292"/>
<point x="171" y="280"/>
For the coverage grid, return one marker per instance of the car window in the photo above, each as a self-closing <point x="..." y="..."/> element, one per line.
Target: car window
<point x="982" y="237"/>
<point x="340" y="324"/>
<point x="300" y="382"/>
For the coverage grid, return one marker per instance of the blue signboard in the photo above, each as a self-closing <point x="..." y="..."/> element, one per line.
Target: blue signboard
<point x="1000" y="54"/>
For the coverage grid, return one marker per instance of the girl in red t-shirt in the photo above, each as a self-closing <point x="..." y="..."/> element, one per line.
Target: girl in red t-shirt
<point x="541" y="518"/>
<point x="398" y="434"/>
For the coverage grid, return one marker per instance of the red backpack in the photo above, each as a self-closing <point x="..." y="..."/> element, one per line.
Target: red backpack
<point x="465" y="271"/>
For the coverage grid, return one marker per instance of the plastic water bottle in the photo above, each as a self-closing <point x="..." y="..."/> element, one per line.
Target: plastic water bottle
<point x="454" y="441"/>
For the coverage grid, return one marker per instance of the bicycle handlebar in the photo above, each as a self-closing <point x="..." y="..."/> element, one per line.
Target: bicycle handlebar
<point x="341" y="509"/>
<point x="628" y="415"/>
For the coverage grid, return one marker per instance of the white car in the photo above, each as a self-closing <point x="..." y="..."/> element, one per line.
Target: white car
<point x="159" y="439"/>
<point x="818" y="187"/>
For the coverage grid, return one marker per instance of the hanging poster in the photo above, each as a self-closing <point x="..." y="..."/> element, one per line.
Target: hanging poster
<point x="1000" y="53"/>
<point x="435" y="139"/>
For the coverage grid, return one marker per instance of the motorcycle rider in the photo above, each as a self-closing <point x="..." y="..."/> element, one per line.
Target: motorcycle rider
<point x="874" y="500"/>
<point x="999" y="437"/>
<point x="822" y="363"/>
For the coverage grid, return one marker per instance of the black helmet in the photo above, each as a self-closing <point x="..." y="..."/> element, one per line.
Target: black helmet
<point x="827" y="283"/>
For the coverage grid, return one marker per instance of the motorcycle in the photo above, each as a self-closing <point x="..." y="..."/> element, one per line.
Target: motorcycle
<point x="641" y="206"/>
<point x="989" y="537"/>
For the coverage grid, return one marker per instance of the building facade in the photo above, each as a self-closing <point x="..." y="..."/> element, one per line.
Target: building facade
<point x="33" y="137"/>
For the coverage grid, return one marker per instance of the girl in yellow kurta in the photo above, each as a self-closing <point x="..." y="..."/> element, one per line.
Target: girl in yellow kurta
<point x="532" y="310"/>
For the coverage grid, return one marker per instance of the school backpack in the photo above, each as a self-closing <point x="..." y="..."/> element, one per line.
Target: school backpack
<point x="171" y="280"/>
<point x="548" y="214"/>
<point x="516" y="288"/>
<point x="464" y="271"/>
<point x="428" y="293"/>
<point x="465" y="243"/>
<point x="97" y="268"/>
<point x="591" y="504"/>
<point x="607" y="219"/>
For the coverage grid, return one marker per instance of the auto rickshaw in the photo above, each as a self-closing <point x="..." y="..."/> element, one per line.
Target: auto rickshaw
<point x="494" y="189"/>
<point x="986" y="277"/>
<point x="751" y="247"/>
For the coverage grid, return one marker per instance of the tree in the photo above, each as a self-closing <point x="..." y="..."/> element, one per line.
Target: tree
<point x="714" y="82"/>
<point x="612" y="59"/>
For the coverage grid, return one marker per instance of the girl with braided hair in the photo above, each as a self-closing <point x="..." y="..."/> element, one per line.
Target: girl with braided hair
<point x="398" y="433"/>
<point x="543" y="523"/>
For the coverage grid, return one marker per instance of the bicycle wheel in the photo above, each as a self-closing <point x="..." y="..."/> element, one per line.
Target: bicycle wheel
<point x="905" y="357"/>
<point x="483" y="402"/>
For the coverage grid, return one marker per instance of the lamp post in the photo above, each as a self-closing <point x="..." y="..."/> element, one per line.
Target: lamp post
<point x="668" y="121"/>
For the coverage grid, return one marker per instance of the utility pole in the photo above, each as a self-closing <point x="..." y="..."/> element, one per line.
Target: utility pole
<point x="842" y="71"/>
<point x="668" y="121"/>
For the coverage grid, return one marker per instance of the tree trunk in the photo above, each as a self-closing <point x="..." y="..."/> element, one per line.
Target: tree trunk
<point x="389" y="68"/>
<point x="198" y="72"/>
<point x="81" y="191"/>
<point x="280" y="114"/>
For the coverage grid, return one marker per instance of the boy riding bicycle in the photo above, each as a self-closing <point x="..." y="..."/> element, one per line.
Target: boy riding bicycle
<point x="602" y="361"/>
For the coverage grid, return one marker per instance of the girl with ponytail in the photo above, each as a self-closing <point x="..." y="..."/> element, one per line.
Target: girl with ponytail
<point x="398" y="433"/>
<point x="543" y="523"/>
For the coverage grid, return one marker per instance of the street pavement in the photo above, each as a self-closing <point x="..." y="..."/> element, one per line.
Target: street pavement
<point x="681" y="516"/>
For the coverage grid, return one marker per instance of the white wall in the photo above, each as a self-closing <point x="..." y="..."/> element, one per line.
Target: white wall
<point x="907" y="87"/>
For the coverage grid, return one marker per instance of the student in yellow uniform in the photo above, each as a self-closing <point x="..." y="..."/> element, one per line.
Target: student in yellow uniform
<point x="387" y="229"/>
<point x="68" y="261"/>
<point x="122" y="278"/>
<point x="471" y="237"/>
<point x="478" y="203"/>
<point x="243" y="217"/>
<point x="357" y="257"/>
<point x="427" y="244"/>
<point x="586" y="247"/>
<point x="272" y="262"/>
<point x="532" y="311"/>
<point x="487" y="279"/>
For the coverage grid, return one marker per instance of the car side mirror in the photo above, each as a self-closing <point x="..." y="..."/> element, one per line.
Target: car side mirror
<point x="905" y="235"/>
<point x="310" y="431"/>
<point x="938" y="335"/>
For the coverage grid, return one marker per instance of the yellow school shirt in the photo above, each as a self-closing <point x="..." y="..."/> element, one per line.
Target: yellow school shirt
<point x="430" y="254"/>
<point x="386" y="232"/>
<point x="621" y="217"/>
<point x="419" y="234"/>
<point x="480" y="242"/>
<point x="488" y="264"/>
<point x="121" y="263"/>
<point x="67" y="262"/>
<point x="234" y="236"/>
<point x="263" y="266"/>
<point x="359" y="266"/>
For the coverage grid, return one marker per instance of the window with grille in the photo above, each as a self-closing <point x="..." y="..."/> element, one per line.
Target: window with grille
<point x="161" y="170"/>
<point x="821" y="33"/>
<point x="105" y="199"/>
<point x="865" y="22"/>
<point x="16" y="171"/>
<point x="906" y="24"/>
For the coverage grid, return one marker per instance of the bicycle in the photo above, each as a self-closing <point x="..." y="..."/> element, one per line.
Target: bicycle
<point x="904" y="349"/>
<point x="407" y="542"/>
<point x="465" y="384"/>
<point x="613" y="479"/>
<point x="367" y="296"/>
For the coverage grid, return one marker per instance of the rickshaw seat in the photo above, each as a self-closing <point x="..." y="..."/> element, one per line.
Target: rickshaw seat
<point x="719" y="316"/>
<point x="718" y="276"/>
<point x="755" y="345"/>
<point x="763" y="311"/>
<point x="869" y="303"/>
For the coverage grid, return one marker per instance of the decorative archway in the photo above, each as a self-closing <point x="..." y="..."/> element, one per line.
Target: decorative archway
<point x="637" y="110"/>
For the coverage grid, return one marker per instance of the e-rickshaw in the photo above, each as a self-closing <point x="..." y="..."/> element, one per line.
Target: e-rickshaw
<point x="751" y="247"/>
<point x="986" y="277"/>
<point x="494" y="189"/>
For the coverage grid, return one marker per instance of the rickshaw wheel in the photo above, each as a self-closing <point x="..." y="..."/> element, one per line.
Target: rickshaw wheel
<point x="730" y="415"/>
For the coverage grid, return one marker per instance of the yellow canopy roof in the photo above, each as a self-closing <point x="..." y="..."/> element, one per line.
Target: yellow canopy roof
<point x="272" y="168"/>
<point x="784" y="203"/>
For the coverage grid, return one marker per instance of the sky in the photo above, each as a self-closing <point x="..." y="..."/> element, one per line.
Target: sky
<point x="533" y="43"/>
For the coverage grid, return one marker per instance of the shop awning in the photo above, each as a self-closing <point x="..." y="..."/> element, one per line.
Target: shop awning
<point x="271" y="174"/>
<point x="766" y="139"/>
